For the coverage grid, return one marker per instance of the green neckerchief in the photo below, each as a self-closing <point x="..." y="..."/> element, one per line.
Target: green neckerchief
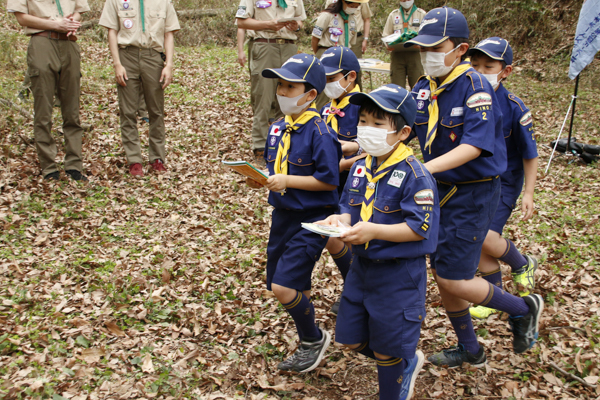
<point x="60" y="11"/>
<point x="143" y="18"/>
<point x="345" y="18"/>
<point x="405" y="21"/>
<point x="282" y="4"/>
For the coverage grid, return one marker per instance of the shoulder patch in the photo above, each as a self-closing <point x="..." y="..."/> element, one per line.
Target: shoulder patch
<point x="424" y="197"/>
<point x="479" y="99"/>
<point x="526" y="119"/>
<point x="416" y="166"/>
<point x="518" y="101"/>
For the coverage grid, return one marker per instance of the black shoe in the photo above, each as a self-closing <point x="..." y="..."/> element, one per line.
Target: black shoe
<point x="455" y="356"/>
<point x="336" y="306"/>
<point x="527" y="328"/>
<point x="308" y="356"/>
<point x="52" y="176"/>
<point x="76" y="175"/>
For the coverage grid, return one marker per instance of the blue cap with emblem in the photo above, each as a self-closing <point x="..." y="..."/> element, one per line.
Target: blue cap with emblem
<point x="391" y="98"/>
<point x="496" y="48"/>
<point x="338" y="58"/>
<point x="439" y="25"/>
<point x="300" y="68"/>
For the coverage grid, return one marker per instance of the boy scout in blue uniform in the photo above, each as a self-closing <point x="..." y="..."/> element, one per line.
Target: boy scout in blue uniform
<point x="302" y="157"/>
<point x="459" y="126"/>
<point x="342" y="68"/>
<point x="493" y="58"/>
<point x="391" y="201"/>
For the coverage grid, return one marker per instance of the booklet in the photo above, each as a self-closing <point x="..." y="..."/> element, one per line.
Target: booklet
<point x="247" y="169"/>
<point x="325" y="230"/>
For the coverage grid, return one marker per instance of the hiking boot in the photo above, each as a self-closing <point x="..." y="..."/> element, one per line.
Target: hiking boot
<point x="158" y="165"/>
<point x="52" y="176"/>
<point x="481" y="312"/>
<point x="136" y="169"/>
<point x="526" y="276"/>
<point x="336" y="306"/>
<point x="527" y="328"/>
<point x="455" y="356"/>
<point x="308" y="356"/>
<point x="76" y="175"/>
<point x="410" y="375"/>
<point x="259" y="158"/>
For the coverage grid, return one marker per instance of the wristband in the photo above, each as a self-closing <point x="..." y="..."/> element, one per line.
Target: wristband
<point x="366" y="38"/>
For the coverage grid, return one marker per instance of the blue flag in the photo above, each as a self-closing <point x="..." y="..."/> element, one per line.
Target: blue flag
<point x="587" y="37"/>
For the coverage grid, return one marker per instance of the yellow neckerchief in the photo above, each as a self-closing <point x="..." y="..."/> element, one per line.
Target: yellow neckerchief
<point x="434" y="110"/>
<point x="281" y="160"/>
<point x="366" y="209"/>
<point x="331" y="119"/>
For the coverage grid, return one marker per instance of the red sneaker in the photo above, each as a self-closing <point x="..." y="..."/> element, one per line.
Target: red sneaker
<point x="158" y="165"/>
<point x="136" y="169"/>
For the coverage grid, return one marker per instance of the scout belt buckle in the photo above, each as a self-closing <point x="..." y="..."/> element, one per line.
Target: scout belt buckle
<point x="280" y="41"/>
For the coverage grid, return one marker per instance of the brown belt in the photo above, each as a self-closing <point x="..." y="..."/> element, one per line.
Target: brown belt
<point x="277" y="41"/>
<point x="56" y="35"/>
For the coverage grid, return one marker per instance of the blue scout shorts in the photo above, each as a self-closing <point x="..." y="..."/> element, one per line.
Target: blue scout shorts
<point x="466" y="214"/>
<point x="509" y="195"/>
<point x="292" y="250"/>
<point x="383" y="303"/>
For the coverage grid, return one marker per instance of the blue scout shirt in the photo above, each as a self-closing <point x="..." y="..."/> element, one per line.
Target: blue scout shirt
<point x="406" y="194"/>
<point x="314" y="151"/>
<point x="348" y="123"/>
<point x="517" y="126"/>
<point x="466" y="116"/>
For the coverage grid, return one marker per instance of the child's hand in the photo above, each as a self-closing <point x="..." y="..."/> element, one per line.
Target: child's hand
<point x="332" y="220"/>
<point x="360" y="233"/>
<point x="253" y="184"/>
<point x="277" y="183"/>
<point x="527" y="207"/>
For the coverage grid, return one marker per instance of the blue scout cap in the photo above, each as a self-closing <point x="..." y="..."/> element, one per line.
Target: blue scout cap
<point x="438" y="25"/>
<point x="496" y="48"/>
<point x="391" y="98"/>
<point x="300" y="68"/>
<point x="338" y="58"/>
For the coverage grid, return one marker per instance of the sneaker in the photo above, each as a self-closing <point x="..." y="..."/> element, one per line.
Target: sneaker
<point x="526" y="276"/>
<point x="410" y="375"/>
<point x="76" y="175"/>
<point x="158" y="165"/>
<point x="481" y="312"/>
<point x="455" y="356"/>
<point x="308" y="356"/>
<point x="145" y="119"/>
<point x="527" y="328"/>
<point x="52" y="176"/>
<point x="259" y="158"/>
<point x="136" y="169"/>
<point x="336" y="306"/>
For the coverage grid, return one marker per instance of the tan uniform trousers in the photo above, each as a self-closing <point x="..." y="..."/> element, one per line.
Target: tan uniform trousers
<point x="142" y="65"/>
<point x="265" y="55"/>
<point x="357" y="50"/>
<point x="54" y="67"/>
<point x="322" y="98"/>
<point x="406" y="63"/>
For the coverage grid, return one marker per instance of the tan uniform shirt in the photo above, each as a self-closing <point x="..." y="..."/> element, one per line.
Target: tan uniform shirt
<point x="47" y="9"/>
<point x="362" y="12"/>
<point x="266" y="10"/>
<point x="328" y="28"/>
<point x="140" y="28"/>
<point x="395" y="24"/>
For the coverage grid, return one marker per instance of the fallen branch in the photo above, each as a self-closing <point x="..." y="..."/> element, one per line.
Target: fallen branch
<point x="569" y="375"/>
<point x="558" y="328"/>
<point x="20" y="109"/>
<point x="184" y="14"/>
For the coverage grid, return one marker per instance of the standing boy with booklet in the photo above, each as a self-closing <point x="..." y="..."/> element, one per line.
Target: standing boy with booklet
<point x="459" y="126"/>
<point x="391" y="201"/>
<point x="302" y="157"/>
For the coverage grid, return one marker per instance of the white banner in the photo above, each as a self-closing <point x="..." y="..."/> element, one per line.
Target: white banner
<point x="587" y="37"/>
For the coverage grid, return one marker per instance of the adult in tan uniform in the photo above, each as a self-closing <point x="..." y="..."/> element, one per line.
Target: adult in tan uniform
<point x="141" y="41"/>
<point x="363" y="27"/>
<point x="405" y="61"/>
<point x="272" y="44"/>
<point x="53" y="61"/>
<point x="335" y="26"/>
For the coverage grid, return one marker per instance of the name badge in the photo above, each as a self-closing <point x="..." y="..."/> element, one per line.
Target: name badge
<point x="457" y="112"/>
<point x="397" y="178"/>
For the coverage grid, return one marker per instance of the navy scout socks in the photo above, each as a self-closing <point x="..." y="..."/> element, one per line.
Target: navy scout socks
<point x="390" y="373"/>
<point x="303" y="313"/>
<point x="343" y="259"/>
<point x="512" y="256"/>
<point x="463" y="326"/>
<point x="494" y="277"/>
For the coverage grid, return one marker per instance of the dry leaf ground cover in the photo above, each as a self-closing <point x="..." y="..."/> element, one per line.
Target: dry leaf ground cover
<point x="129" y="288"/>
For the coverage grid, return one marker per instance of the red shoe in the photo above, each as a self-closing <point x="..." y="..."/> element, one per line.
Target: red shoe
<point x="136" y="169"/>
<point x="158" y="165"/>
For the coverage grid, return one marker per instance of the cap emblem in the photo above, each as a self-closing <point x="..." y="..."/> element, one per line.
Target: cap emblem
<point x="293" y="60"/>
<point x="426" y="22"/>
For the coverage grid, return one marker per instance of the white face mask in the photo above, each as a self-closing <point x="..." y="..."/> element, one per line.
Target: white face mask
<point x="349" y="10"/>
<point x="434" y="64"/>
<point x="289" y="105"/>
<point x="374" y="140"/>
<point x="334" y="90"/>
<point x="407" y="4"/>
<point x="493" y="79"/>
